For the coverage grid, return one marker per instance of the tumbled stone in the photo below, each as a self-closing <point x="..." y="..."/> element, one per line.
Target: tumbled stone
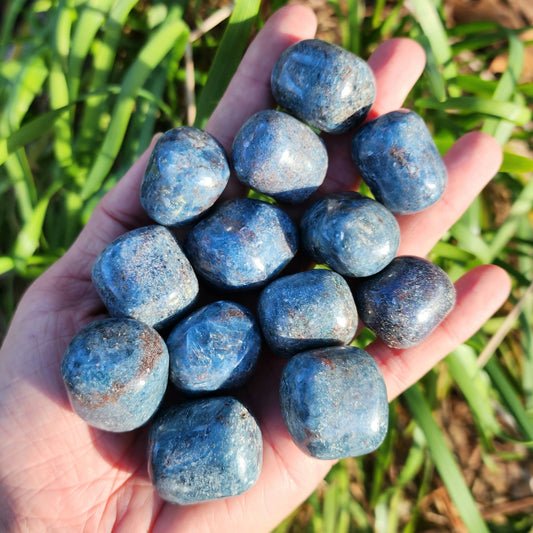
<point x="214" y="348"/>
<point x="406" y="301"/>
<point x="204" y="450"/>
<point x="398" y="160"/>
<point x="307" y="310"/>
<point x="186" y="173"/>
<point x="116" y="372"/>
<point x="323" y="85"/>
<point x="351" y="233"/>
<point x="242" y="244"/>
<point x="144" y="274"/>
<point x="278" y="155"/>
<point x="334" y="402"/>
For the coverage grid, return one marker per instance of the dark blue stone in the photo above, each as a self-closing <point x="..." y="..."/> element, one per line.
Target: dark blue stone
<point x="334" y="402"/>
<point x="186" y="173"/>
<point x="399" y="162"/>
<point x="278" y="155"/>
<point x="242" y="244"/>
<point x="406" y="301"/>
<point x="307" y="310"/>
<point x="323" y="85"/>
<point x="116" y="372"/>
<point x="204" y="450"/>
<point x="352" y="234"/>
<point x="145" y="275"/>
<point x="214" y="348"/>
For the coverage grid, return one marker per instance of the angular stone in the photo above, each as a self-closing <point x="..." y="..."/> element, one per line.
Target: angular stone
<point x="307" y="310"/>
<point x="214" y="348"/>
<point x="334" y="402"/>
<point x="116" y="372"/>
<point x="144" y="274"/>
<point x="242" y="244"/>
<point x="186" y="173"/>
<point x="398" y="160"/>
<point x="323" y="85"/>
<point x="406" y="301"/>
<point x="278" y="155"/>
<point x="352" y="234"/>
<point x="204" y="450"/>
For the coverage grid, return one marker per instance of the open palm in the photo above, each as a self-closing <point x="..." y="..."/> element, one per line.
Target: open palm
<point x="58" y="474"/>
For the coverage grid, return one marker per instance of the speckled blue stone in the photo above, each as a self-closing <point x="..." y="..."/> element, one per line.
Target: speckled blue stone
<point x="399" y="162"/>
<point x="144" y="274"/>
<point x="334" y="402"/>
<point x="214" y="348"/>
<point x="307" y="310"/>
<point x="406" y="301"/>
<point x="242" y="244"/>
<point x="186" y="173"/>
<point x="323" y="85"/>
<point x="116" y="372"/>
<point x="204" y="450"/>
<point x="351" y="233"/>
<point x="278" y="155"/>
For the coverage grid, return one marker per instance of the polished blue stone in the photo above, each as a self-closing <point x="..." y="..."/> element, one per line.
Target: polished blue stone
<point x="307" y="310"/>
<point x="399" y="162"/>
<point x="406" y="301"/>
<point x="214" y="348"/>
<point x="116" y="372"/>
<point x="351" y="233"/>
<point x="242" y="244"/>
<point x="186" y="173"/>
<point x="334" y="402"/>
<point x="323" y="85"/>
<point x="204" y="450"/>
<point x="144" y="274"/>
<point x="278" y="155"/>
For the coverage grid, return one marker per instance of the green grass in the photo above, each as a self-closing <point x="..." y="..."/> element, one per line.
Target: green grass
<point x="83" y="87"/>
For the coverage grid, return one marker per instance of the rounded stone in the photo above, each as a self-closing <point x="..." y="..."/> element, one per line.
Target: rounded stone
<point x="278" y="155"/>
<point x="144" y="274"/>
<point x="214" y="348"/>
<point x="398" y="160"/>
<point x="186" y="173"/>
<point x="334" y="402"/>
<point x="351" y="233"/>
<point x="406" y="301"/>
<point x="324" y="85"/>
<point x="204" y="450"/>
<point x="307" y="310"/>
<point x="116" y="372"/>
<point x="242" y="244"/>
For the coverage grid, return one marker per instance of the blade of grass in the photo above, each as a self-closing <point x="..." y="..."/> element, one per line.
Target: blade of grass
<point x="173" y="34"/>
<point x="516" y="164"/>
<point x="227" y="58"/>
<point x="444" y="461"/>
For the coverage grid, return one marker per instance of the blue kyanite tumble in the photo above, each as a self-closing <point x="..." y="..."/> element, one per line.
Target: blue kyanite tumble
<point x="406" y="301"/>
<point x="351" y="233"/>
<point x="214" y="348"/>
<point x="278" y="155"/>
<point x="307" y="310"/>
<point x="334" y="402"/>
<point x="204" y="450"/>
<point x="186" y="173"/>
<point x="399" y="162"/>
<point x="242" y="244"/>
<point x="116" y="372"/>
<point x="323" y="85"/>
<point x="144" y="274"/>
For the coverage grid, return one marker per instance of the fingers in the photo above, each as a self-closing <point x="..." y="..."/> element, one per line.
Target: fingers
<point x="480" y="293"/>
<point x="471" y="163"/>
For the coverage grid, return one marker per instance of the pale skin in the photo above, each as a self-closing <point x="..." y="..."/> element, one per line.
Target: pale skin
<point x="58" y="474"/>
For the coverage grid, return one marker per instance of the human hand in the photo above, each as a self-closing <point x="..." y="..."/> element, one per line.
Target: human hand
<point x="57" y="473"/>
